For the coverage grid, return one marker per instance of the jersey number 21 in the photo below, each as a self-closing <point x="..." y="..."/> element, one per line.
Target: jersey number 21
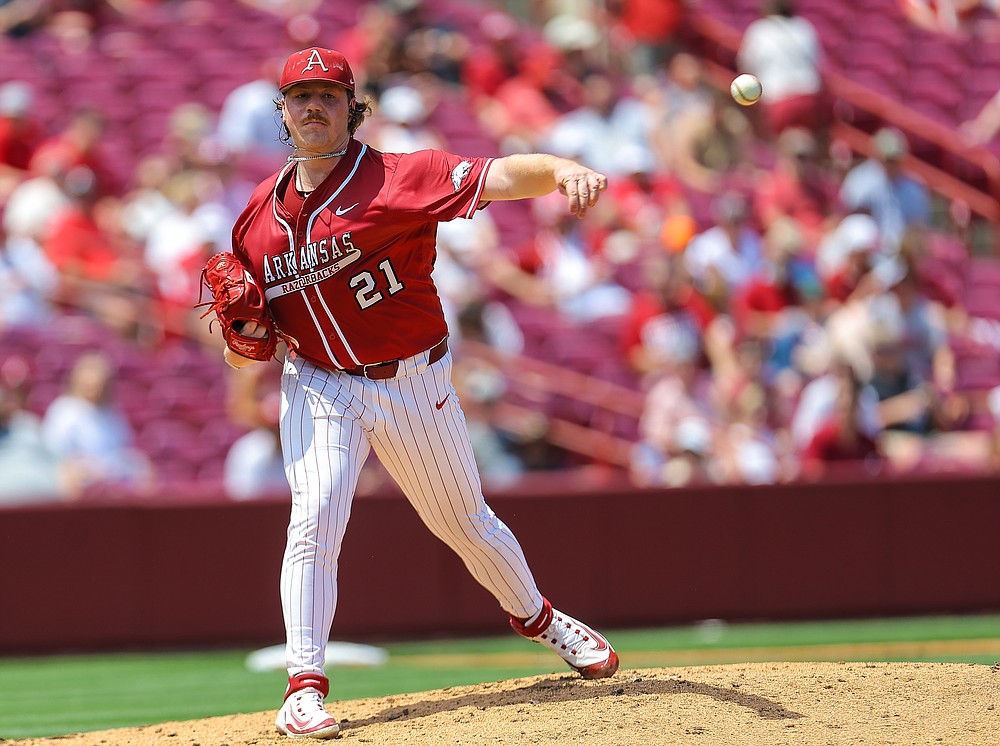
<point x="367" y="293"/>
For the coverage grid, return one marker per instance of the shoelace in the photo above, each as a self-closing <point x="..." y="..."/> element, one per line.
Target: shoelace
<point x="220" y="298"/>
<point x="315" y="702"/>
<point x="567" y="635"/>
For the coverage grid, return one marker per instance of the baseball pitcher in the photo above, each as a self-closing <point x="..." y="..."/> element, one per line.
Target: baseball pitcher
<point x="333" y="254"/>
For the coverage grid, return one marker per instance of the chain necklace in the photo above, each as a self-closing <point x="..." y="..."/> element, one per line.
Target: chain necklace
<point x="301" y="158"/>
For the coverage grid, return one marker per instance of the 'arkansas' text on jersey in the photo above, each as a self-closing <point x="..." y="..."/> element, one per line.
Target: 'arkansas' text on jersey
<point x="313" y="255"/>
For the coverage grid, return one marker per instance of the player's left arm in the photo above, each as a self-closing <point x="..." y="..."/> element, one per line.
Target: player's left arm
<point x="521" y="176"/>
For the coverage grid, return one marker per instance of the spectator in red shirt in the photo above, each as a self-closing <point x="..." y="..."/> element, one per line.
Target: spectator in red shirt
<point x="78" y="144"/>
<point x="526" y="105"/>
<point x="100" y="272"/>
<point x="846" y="255"/>
<point x="496" y="59"/>
<point x="759" y="306"/>
<point x="667" y="313"/>
<point x="651" y="28"/>
<point x="643" y="197"/>
<point x="76" y="245"/>
<point x="20" y="134"/>
<point x="798" y="187"/>
<point x="840" y="439"/>
<point x="371" y="41"/>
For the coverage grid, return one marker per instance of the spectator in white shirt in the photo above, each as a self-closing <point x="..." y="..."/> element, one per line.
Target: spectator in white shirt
<point x="881" y="187"/>
<point x="83" y="427"/>
<point x="783" y="50"/>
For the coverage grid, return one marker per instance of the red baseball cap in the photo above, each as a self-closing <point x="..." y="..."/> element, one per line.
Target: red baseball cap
<point x="316" y="63"/>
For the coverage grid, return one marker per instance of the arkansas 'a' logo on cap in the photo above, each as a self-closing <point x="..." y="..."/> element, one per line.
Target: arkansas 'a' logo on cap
<point x="315" y="58"/>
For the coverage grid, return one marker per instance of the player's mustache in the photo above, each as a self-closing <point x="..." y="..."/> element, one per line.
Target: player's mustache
<point x="319" y="120"/>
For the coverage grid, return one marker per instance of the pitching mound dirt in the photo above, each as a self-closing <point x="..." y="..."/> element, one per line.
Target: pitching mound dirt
<point x="764" y="704"/>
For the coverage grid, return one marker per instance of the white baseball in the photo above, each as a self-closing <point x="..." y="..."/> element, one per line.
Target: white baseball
<point x="746" y="89"/>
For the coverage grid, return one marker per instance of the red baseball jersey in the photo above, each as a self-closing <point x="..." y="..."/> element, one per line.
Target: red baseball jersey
<point x="347" y="271"/>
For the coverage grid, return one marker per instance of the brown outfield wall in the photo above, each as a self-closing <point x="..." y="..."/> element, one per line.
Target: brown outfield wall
<point x="191" y="570"/>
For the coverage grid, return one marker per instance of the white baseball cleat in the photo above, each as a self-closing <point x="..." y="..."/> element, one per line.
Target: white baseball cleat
<point x="585" y="650"/>
<point x="303" y="714"/>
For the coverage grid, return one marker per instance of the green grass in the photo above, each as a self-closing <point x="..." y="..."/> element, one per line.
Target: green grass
<point x="55" y="695"/>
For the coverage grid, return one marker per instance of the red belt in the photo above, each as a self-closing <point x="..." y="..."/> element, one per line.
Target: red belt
<point x="389" y="369"/>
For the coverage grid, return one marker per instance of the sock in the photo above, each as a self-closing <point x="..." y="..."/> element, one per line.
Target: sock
<point x="533" y="618"/>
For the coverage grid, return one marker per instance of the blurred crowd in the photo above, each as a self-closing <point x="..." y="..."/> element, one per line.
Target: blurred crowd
<point x="785" y="307"/>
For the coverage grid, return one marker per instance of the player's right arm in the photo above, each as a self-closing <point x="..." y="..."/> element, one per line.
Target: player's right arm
<point x="525" y="175"/>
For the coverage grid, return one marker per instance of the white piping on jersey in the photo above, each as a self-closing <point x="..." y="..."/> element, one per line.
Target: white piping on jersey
<point x="274" y="206"/>
<point x="322" y="300"/>
<point x="479" y="188"/>
<point x="336" y="193"/>
<point x="291" y="244"/>
<point x="291" y="241"/>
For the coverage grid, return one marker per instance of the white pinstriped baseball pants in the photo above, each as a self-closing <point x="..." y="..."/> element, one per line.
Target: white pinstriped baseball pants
<point x="329" y="423"/>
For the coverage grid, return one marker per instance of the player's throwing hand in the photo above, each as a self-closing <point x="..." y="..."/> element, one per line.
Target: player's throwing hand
<point x="582" y="190"/>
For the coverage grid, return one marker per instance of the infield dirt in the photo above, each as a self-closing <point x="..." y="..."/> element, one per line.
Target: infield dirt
<point x="763" y="704"/>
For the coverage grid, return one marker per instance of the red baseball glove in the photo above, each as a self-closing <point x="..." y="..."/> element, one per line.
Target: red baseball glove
<point x="237" y="301"/>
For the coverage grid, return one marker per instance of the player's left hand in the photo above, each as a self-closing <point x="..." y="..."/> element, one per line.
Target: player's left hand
<point x="250" y="329"/>
<point x="236" y="360"/>
<point x="582" y="188"/>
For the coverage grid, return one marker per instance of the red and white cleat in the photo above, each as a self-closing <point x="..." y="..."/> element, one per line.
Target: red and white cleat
<point x="303" y="714"/>
<point x="585" y="650"/>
